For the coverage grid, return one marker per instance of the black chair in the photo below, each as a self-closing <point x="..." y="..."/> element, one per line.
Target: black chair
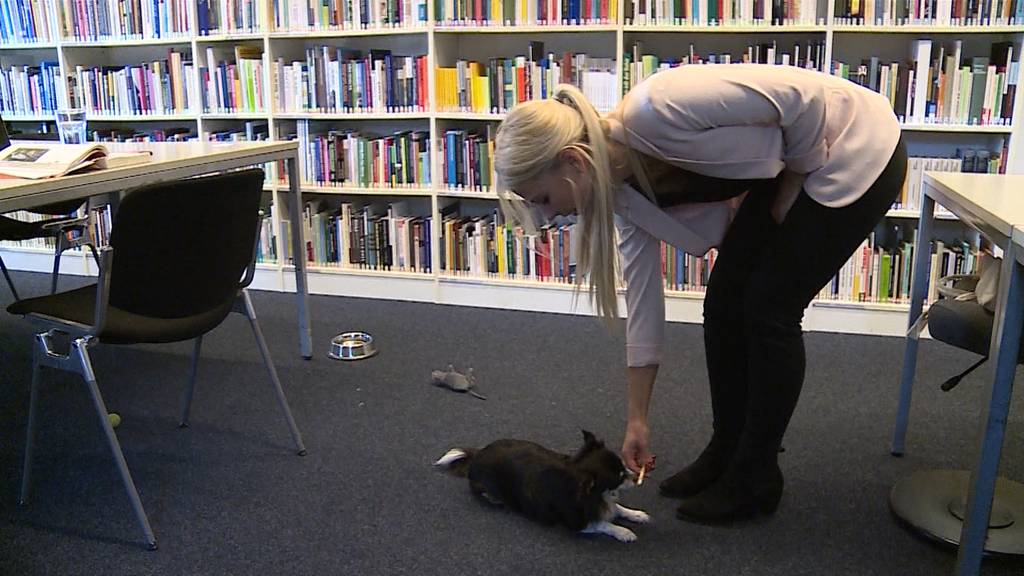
<point x="67" y="230"/>
<point x="181" y="254"/>
<point x="932" y="502"/>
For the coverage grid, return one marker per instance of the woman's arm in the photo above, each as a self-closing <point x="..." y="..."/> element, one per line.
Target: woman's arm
<point x="641" y="384"/>
<point x="645" y="327"/>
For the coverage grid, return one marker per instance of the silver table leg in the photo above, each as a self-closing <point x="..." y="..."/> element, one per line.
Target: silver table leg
<point x="918" y="292"/>
<point x="1005" y="349"/>
<point x="299" y="256"/>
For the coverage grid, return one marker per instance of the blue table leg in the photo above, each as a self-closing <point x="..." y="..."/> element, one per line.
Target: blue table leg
<point x="918" y="292"/>
<point x="1005" y="349"/>
<point x="299" y="258"/>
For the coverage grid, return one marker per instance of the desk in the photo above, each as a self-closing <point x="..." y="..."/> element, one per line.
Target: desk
<point x="173" y="160"/>
<point x="993" y="205"/>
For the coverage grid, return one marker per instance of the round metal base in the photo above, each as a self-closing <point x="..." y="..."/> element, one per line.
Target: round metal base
<point x="933" y="502"/>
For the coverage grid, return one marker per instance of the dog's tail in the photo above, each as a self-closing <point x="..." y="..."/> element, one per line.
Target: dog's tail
<point x="456" y="461"/>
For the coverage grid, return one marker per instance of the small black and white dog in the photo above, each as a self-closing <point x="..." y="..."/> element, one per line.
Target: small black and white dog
<point x="579" y="491"/>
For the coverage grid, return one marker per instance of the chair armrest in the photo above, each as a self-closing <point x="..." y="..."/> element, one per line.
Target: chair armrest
<point x="250" y="270"/>
<point x="102" y="290"/>
<point x="64" y="223"/>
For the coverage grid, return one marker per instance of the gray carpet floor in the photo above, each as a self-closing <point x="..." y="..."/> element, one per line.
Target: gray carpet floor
<point x="228" y="495"/>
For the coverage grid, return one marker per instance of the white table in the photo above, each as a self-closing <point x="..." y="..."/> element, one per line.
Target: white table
<point x="172" y="160"/>
<point x="994" y="205"/>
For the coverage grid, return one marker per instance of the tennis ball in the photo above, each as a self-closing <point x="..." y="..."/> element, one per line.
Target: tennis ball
<point x="115" y="419"/>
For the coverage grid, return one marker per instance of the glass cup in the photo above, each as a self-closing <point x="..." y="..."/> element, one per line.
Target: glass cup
<point x="71" y="125"/>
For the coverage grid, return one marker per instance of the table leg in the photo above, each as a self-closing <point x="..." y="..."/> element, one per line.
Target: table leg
<point x="918" y="292"/>
<point x="299" y="258"/>
<point x="1005" y="349"/>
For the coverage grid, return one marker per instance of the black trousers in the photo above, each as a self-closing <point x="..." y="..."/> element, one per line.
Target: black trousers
<point x="765" y="276"/>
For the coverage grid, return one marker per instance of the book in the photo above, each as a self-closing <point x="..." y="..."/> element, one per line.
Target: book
<point x="38" y="160"/>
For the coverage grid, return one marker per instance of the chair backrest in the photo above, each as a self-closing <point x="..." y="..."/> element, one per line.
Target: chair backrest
<point x="181" y="247"/>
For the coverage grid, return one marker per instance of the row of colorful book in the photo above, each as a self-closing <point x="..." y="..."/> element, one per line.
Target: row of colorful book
<point x="157" y="87"/>
<point x="504" y="82"/>
<point x="229" y="16"/>
<point x="722" y="12"/>
<point x="930" y="12"/>
<point x="350" y="158"/>
<point x="128" y="19"/>
<point x="233" y="86"/>
<point x="637" y="66"/>
<point x="374" y="236"/>
<point x="26" y="90"/>
<point x="121" y="134"/>
<point x="25" y="21"/>
<point x="974" y="160"/>
<point x="525" y="12"/>
<point x="484" y="246"/>
<point x="943" y="85"/>
<point x="466" y="160"/>
<point x="335" y="79"/>
<point x="877" y="273"/>
<point x="348" y="14"/>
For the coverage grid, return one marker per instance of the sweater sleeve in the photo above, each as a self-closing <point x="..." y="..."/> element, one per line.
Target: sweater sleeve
<point x="645" y="294"/>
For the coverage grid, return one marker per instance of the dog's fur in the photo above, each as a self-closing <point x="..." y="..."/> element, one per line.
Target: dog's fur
<point x="579" y="491"/>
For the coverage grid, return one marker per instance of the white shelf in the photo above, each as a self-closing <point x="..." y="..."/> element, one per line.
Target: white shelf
<point x="346" y="33"/>
<point x="29" y="117"/>
<point x="378" y="191"/>
<point x="926" y="29"/>
<point x="533" y="29"/>
<point x="966" y="128"/>
<point x="726" y="28"/>
<point x="375" y="115"/>
<point x="915" y="214"/>
<point x="486" y="116"/>
<point x="230" y="37"/>
<point x="29" y="46"/>
<point x="126" y="42"/>
<point x="467" y="194"/>
<point x="140" y="118"/>
<point x="234" y="116"/>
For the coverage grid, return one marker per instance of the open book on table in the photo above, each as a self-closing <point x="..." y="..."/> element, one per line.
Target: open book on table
<point x="37" y="160"/>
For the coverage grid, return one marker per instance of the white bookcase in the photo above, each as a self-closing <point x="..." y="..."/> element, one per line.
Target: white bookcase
<point x="443" y="44"/>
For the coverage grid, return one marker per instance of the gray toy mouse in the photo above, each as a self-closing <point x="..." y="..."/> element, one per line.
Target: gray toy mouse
<point x="456" y="381"/>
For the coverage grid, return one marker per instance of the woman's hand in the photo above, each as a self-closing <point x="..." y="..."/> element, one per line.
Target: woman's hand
<point x="636" y="446"/>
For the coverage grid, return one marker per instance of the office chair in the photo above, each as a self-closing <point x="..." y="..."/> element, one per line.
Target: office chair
<point x="932" y="502"/>
<point x="67" y="230"/>
<point x="180" y="257"/>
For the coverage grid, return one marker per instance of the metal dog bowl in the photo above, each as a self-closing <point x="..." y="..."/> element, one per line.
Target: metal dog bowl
<point x="352" y="346"/>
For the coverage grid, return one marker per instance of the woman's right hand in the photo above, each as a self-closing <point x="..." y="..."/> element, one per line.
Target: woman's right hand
<point x="636" y="446"/>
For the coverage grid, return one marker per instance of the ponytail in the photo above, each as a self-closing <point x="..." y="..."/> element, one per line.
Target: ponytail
<point x="528" y="143"/>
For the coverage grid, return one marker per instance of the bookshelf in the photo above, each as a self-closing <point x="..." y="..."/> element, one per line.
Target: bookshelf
<point x="269" y="32"/>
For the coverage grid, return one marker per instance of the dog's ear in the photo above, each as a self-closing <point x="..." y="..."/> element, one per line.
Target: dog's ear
<point x="589" y="439"/>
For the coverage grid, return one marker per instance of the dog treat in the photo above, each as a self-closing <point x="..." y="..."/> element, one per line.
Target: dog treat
<point x="640" y="478"/>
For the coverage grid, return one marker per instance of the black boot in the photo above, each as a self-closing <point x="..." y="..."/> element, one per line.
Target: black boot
<point x="700" y="474"/>
<point x="735" y="496"/>
<point x="753" y="482"/>
<point x="728" y="383"/>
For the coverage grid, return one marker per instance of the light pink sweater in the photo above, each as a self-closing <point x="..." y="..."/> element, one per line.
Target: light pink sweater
<point x="736" y="121"/>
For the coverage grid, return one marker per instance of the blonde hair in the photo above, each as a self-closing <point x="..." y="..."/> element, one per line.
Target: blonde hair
<point x="527" y="144"/>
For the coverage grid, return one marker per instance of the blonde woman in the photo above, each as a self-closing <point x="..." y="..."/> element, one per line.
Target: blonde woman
<point x="785" y="170"/>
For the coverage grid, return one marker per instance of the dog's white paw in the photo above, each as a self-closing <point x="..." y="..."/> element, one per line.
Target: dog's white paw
<point x="635" y="516"/>
<point x="622" y="534"/>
